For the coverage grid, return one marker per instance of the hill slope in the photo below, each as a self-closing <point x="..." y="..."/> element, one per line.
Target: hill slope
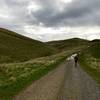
<point x="94" y="50"/>
<point x="68" y="44"/>
<point x="17" y="48"/>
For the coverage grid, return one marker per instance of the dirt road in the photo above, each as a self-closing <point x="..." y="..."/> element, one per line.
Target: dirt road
<point x="66" y="82"/>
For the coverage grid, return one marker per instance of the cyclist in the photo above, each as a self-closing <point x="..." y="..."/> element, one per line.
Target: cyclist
<point x="76" y="60"/>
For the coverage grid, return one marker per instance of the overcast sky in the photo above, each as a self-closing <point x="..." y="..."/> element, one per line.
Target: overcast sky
<point x="47" y="20"/>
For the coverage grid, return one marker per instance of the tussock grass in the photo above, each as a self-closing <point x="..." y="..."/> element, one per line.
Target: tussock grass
<point x="16" y="76"/>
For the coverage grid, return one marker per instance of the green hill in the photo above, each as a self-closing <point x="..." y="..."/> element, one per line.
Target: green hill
<point x="17" y="48"/>
<point x="95" y="41"/>
<point x="94" y="50"/>
<point x="68" y="44"/>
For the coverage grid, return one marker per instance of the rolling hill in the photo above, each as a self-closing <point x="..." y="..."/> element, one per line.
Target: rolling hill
<point x="17" y="48"/>
<point x="68" y="44"/>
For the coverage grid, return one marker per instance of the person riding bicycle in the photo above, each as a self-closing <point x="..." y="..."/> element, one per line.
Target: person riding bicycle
<point x="76" y="60"/>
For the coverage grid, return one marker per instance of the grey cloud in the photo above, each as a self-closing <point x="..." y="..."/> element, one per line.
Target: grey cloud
<point x="79" y="12"/>
<point x="75" y="14"/>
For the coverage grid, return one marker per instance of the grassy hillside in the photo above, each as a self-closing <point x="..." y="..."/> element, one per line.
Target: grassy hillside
<point x="17" y="48"/>
<point x="90" y="60"/>
<point x="95" y="50"/>
<point x="68" y="44"/>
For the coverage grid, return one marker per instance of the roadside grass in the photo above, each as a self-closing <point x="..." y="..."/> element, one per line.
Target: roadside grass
<point x="90" y="62"/>
<point x="15" y="77"/>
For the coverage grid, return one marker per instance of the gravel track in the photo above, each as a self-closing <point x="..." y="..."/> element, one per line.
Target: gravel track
<point x="66" y="82"/>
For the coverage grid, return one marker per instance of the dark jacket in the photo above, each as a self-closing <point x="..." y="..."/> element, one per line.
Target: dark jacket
<point x="76" y="58"/>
